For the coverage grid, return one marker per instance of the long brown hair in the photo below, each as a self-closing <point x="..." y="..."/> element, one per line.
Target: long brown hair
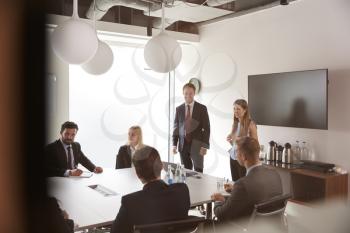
<point x="246" y="118"/>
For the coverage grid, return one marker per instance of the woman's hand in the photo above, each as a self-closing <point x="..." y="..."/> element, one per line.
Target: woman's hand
<point x="229" y="138"/>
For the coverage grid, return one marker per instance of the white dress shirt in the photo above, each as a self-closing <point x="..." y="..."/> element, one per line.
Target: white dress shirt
<point x="252" y="167"/>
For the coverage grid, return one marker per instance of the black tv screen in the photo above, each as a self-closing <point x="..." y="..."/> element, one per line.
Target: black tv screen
<point x="293" y="99"/>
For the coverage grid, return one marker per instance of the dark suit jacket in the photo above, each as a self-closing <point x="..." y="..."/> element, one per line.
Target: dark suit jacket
<point x="200" y="126"/>
<point x="56" y="158"/>
<point x="47" y="216"/>
<point x="157" y="202"/>
<point x="261" y="184"/>
<point x="123" y="159"/>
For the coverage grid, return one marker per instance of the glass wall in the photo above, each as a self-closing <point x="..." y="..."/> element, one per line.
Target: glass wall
<point x="131" y="94"/>
<point x="128" y="94"/>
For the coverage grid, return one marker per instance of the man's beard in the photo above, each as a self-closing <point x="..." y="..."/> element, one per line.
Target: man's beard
<point x="67" y="141"/>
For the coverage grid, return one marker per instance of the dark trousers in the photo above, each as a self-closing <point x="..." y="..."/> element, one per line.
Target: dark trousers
<point x="237" y="171"/>
<point x="186" y="159"/>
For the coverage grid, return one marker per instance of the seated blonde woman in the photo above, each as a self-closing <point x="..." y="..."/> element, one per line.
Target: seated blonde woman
<point x="126" y="152"/>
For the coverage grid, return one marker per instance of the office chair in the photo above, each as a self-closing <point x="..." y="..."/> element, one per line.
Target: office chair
<point x="271" y="210"/>
<point x="190" y="224"/>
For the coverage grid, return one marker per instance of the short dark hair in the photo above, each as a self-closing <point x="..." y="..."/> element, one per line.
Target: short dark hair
<point x="68" y="125"/>
<point x="189" y="85"/>
<point x="249" y="147"/>
<point x="147" y="163"/>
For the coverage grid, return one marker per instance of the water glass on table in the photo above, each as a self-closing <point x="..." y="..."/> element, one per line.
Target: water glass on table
<point x="222" y="185"/>
<point x="220" y="182"/>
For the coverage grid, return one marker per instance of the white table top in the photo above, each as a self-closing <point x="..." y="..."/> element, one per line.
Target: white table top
<point x="88" y="208"/>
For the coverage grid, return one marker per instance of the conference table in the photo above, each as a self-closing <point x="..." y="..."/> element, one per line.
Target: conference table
<point x="97" y="207"/>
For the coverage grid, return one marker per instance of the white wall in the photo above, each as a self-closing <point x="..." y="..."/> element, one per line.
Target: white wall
<point x="57" y="93"/>
<point x="106" y="106"/>
<point x="307" y="34"/>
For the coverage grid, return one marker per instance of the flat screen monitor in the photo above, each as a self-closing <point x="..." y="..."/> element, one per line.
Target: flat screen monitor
<point x="292" y="99"/>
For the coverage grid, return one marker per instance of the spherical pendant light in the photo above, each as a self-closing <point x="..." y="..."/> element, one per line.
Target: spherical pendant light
<point x="162" y="53"/>
<point x="74" y="41"/>
<point x="101" y="62"/>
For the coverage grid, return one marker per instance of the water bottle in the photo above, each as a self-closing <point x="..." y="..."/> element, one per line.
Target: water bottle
<point x="297" y="152"/>
<point x="183" y="174"/>
<point x="304" y="152"/>
<point x="177" y="178"/>
<point x="262" y="154"/>
<point x="169" y="175"/>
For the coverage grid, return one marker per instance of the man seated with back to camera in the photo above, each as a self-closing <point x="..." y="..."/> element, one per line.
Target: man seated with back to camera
<point x="260" y="184"/>
<point x="157" y="201"/>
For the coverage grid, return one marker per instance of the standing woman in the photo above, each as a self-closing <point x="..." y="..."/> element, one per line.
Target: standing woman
<point x="243" y="125"/>
<point x="126" y="152"/>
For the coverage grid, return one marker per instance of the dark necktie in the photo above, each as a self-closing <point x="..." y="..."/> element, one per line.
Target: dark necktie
<point x="188" y="124"/>
<point x="69" y="149"/>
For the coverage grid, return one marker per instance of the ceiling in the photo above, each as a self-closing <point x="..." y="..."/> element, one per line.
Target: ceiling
<point x="181" y="15"/>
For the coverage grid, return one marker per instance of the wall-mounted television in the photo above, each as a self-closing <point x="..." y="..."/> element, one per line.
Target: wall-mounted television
<point x="291" y="99"/>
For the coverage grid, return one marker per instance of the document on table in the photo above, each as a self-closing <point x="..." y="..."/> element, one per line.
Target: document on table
<point x="103" y="190"/>
<point x="85" y="174"/>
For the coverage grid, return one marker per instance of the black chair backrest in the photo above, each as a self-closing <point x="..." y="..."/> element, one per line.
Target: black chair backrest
<point x="272" y="205"/>
<point x="273" y="209"/>
<point x="185" y="225"/>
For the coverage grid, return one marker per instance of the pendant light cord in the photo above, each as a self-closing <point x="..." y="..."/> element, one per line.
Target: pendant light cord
<point x="163" y="16"/>
<point x="94" y="18"/>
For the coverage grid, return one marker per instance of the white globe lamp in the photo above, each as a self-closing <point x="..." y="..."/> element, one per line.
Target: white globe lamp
<point x="74" y="41"/>
<point x="101" y="62"/>
<point x="162" y="53"/>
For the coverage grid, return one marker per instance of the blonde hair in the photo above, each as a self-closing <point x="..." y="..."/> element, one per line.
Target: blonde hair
<point x="246" y="118"/>
<point x="137" y="129"/>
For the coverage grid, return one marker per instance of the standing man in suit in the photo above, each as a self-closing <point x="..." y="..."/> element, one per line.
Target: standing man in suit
<point x="157" y="201"/>
<point x="191" y="130"/>
<point x="260" y="184"/>
<point x="63" y="156"/>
